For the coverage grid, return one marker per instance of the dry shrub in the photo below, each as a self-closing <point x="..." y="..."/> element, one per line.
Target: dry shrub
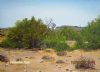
<point x="84" y="62"/>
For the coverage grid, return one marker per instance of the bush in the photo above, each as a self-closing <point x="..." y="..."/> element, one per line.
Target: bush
<point x="79" y="45"/>
<point x="91" y="34"/>
<point x="59" y="47"/>
<point x="25" y="34"/>
<point x="8" y="43"/>
<point x="84" y="62"/>
<point x="56" y="41"/>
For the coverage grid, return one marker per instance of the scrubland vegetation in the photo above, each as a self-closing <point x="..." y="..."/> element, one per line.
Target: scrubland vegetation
<point x="33" y="33"/>
<point x="55" y="45"/>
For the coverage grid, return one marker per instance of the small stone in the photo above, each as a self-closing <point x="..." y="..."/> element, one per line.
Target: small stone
<point x="59" y="67"/>
<point x="61" y="53"/>
<point x="4" y="58"/>
<point x="47" y="57"/>
<point x="41" y="62"/>
<point x="56" y="65"/>
<point x="26" y="57"/>
<point x="70" y="70"/>
<point x="69" y="56"/>
<point x="99" y="58"/>
<point x="60" y="61"/>
<point x="19" y="59"/>
<point x="67" y="69"/>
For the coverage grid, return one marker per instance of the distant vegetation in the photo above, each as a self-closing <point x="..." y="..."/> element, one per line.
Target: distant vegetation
<point x="32" y="33"/>
<point x="3" y="31"/>
<point x="91" y="34"/>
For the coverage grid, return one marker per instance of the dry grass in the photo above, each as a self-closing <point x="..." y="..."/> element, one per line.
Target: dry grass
<point x="38" y="64"/>
<point x="2" y="70"/>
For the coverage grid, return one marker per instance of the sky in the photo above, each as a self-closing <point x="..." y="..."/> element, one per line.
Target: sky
<point x="62" y="12"/>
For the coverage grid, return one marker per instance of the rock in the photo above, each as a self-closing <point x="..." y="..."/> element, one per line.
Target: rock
<point x="31" y="57"/>
<point x="56" y="65"/>
<point x="41" y="61"/>
<point x="4" y="58"/>
<point x="69" y="56"/>
<point x="49" y="50"/>
<point x="19" y="59"/>
<point x="70" y="70"/>
<point x="59" y="67"/>
<point x="99" y="58"/>
<point x="67" y="69"/>
<point x="61" y="53"/>
<point x="26" y="57"/>
<point x="47" y="57"/>
<point x="60" y="61"/>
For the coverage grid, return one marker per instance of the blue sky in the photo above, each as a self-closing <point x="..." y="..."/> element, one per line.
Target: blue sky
<point x="63" y="12"/>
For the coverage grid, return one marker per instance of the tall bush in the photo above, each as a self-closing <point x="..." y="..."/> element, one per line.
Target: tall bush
<point x="56" y="41"/>
<point x="26" y="34"/>
<point x="91" y="34"/>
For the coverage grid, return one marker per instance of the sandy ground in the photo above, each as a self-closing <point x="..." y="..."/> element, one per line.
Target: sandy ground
<point x="37" y="64"/>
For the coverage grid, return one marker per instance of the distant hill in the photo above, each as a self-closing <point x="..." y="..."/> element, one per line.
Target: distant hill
<point x="77" y="28"/>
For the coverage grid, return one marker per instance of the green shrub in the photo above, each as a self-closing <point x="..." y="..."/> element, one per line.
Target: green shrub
<point x="25" y="34"/>
<point x="91" y="34"/>
<point x="55" y="40"/>
<point x="91" y="46"/>
<point x="8" y="43"/>
<point x="59" y="47"/>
